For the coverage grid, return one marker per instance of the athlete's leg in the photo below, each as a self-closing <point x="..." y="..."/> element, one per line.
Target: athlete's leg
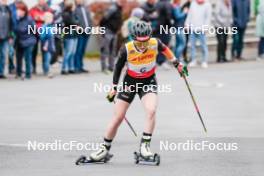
<point x="121" y="107"/>
<point x="119" y="113"/>
<point x="123" y="100"/>
<point x="150" y="102"/>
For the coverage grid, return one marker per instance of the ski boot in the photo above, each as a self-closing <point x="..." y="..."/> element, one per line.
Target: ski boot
<point x="146" y="156"/>
<point x="100" y="156"/>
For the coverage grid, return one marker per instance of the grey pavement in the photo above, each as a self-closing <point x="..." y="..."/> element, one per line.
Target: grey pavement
<point x="230" y="97"/>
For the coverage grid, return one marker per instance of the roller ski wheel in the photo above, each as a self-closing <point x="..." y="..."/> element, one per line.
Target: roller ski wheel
<point x="155" y="159"/>
<point x="82" y="160"/>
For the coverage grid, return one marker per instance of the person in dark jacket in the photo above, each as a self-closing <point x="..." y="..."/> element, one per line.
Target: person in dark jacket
<point x="25" y="38"/>
<point x="84" y="18"/>
<point x="164" y="19"/>
<point x="185" y="7"/>
<point x="5" y="28"/>
<point x="58" y="21"/>
<point x="11" y="44"/>
<point x="112" y="21"/>
<point x="150" y="13"/>
<point x="260" y="30"/>
<point x="165" y="10"/>
<point x="241" y="16"/>
<point x="70" y="37"/>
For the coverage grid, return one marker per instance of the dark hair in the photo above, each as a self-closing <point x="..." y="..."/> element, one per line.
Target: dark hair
<point x="22" y="6"/>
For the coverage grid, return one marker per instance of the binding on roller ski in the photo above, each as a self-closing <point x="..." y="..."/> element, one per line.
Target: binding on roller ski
<point x="145" y="156"/>
<point x="140" y="56"/>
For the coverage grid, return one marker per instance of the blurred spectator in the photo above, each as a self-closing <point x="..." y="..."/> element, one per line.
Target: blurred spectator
<point x="49" y="2"/>
<point x="165" y="9"/>
<point x="179" y="17"/>
<point x="198" y="18"/>
<point x="5" y="28"/>
<point x="186" y="7"/>
<point x="223" y="19"/>
<point x="260" y="30"/>
<point x="150" y="14"/>
<point x="136" y="14"/>
<point x="37" y="13"/>
<point x="85" y="21"/>
<point x="11" y="43"/>
<point x="241" y="16"/>
<point x="57" y="21"/>
<point x="47" y="43"/>
<point x="112" y="21"/>
<point x="256" y="6"/>
<point x="25" y="40"/>
<point x="70" y="39"/>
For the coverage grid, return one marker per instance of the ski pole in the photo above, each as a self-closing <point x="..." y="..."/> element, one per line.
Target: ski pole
<point x="131" y="127"/>
<point x="111" y="99"/>
<point x="129" y="124"/>
<point x="194" y="102"/>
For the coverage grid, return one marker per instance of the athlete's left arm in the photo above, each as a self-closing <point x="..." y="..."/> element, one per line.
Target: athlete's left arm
<point x="166" y="51"/>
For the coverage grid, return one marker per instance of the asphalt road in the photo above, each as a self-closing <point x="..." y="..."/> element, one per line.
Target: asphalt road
<point x="67" y="109"/>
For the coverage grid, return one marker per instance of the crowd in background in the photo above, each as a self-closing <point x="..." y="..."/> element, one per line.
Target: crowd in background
<point x="21" y="45"/>
<point x="20" y="49"/>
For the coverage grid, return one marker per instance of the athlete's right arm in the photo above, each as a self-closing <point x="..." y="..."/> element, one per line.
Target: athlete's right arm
<point x="121" y="61"/>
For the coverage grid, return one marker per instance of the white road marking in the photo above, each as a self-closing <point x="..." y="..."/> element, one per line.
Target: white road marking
<point x="13" y="145"/>
<point x="208" y="84"/>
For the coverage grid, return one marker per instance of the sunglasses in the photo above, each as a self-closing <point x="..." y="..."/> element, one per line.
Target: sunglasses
<point x="141" y="44"/>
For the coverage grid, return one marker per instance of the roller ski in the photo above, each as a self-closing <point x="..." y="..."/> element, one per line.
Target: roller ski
<point x="100" y="156"/>
<point x="145" y="156"/>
